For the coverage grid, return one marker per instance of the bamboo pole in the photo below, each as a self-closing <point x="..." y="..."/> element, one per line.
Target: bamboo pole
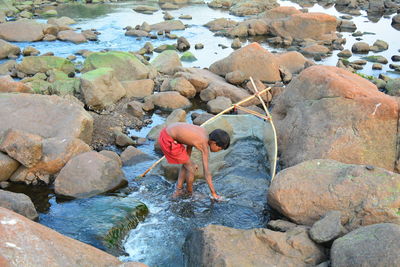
<point x="273" y="129"/>
<point x="212" y="119"/>
<point x="255" y="113"/>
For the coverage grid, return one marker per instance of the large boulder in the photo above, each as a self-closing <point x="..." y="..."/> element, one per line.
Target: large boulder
<point x="23" y="30"/>
<point x="26" y="243"/>
<point x="167" y="62"/>
<point x="34" y="64"/>
<point x="126" y="65"/>
<point x="328" y="112"/>
<point x="18" y="203"/>
<point x="253" y="60"/>
<point x="8" y="85"/>
<point x="317" y="26"/>
<point x="8" y="166"/>
<point x="369" y="246"/>
<point x="101" y="88"/>
<point x="87" y="175"/>
<point x="362" y="193"/>
<point x="47" y="116"/>
<point x="216" y="245"/>
<point x="7" y="49"/>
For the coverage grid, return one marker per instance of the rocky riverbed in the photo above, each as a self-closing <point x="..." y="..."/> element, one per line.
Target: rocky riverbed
<point x="86" y="88"/>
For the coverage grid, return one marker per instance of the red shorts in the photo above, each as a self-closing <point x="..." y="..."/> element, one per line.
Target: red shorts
<point x="174" y="152"/>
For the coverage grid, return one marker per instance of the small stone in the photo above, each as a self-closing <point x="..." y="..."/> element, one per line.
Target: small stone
<point x="377" y="66"/>
<point x="198" y="46"/>
<point x="370" y="167"/>
<point x="4" y="184"/>
<point x="395" y="58"/>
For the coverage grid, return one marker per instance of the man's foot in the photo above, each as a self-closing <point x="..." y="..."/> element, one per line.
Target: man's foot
<point x="178" y="193"/>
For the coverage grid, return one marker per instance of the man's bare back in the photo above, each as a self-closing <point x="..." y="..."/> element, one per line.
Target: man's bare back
<point x="188" y="134"/>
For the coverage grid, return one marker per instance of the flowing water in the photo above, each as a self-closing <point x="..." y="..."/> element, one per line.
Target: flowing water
<point x="157" y="241"/>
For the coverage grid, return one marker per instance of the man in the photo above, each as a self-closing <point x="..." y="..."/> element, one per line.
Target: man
<point x="172" y="141"/>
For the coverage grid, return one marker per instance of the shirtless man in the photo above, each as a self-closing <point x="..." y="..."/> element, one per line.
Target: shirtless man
<point x="172" y="141"/>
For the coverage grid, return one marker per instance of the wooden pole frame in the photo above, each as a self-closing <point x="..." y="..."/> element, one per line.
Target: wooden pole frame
<point x="237" y="105"/>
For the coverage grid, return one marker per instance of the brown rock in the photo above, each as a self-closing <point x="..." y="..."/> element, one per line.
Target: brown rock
<point x="101" y="88"/>
<point x="26" y="243"/>
<point x="47" y="116"/>
<point x="170" y="100"/>
<point x="183" y="86"/>
<point x="22" y="146"/>
<point x="306" y="192"/>
<point x="252" y="60"/>
<point x="8" y="85"/>
<point x="7" y="166"/>
<point x="23" y="30"/>
<point x="217" y="245"/>
<point x="317" y="26"/>
<point x="138" y="88"/>
<point x="57" y="152"/>
<point x="293" y="61"/>
<point x="71" y="36"/>
<point x="7" y="49"/>
<point x="327" y="112"/>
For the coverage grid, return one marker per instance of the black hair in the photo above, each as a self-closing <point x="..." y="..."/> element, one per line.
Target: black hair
<point x="221" y="138"/>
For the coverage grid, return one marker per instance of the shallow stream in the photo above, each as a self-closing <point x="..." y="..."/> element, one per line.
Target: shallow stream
<point x="157" y="241"/>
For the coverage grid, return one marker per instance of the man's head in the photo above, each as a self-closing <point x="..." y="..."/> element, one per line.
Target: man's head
<point x="218" y="140"/>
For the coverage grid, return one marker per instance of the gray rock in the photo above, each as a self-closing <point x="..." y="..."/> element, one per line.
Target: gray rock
<point x="18" y="203"/>
<point x="132" y="156"/>
<point x="135" y="108"/>
<point x="218" y="104"/>
<point x="87" y="175"/>
<point x="360" y="47"/>
<point x="203" y="117"/>
<point x="328" y="228"/>
<point x="345" y="53"/>
<point x="369" y="246"/>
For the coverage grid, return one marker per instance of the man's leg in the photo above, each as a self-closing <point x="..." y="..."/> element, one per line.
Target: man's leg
<point x="179" y="183"/>
<point x="190" y="171"/>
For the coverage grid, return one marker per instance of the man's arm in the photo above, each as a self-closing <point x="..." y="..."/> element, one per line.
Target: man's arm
<point x="207" y="174"/>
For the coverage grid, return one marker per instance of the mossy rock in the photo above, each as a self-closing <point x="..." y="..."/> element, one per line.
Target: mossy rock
<point x="40" y="86"/>
<point x="188" y="57"/>
<point x="378" y="59"/>
<point x="164" y="47"/>
<point x="50" y="13"/>
<point x="117" y="233"/>
<point x="95" y="74"/>
<point x="126" y="65"/>
<point x="68" y="86"/>
<point x="34" y="64"/>
<point x="393" y="87"/>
